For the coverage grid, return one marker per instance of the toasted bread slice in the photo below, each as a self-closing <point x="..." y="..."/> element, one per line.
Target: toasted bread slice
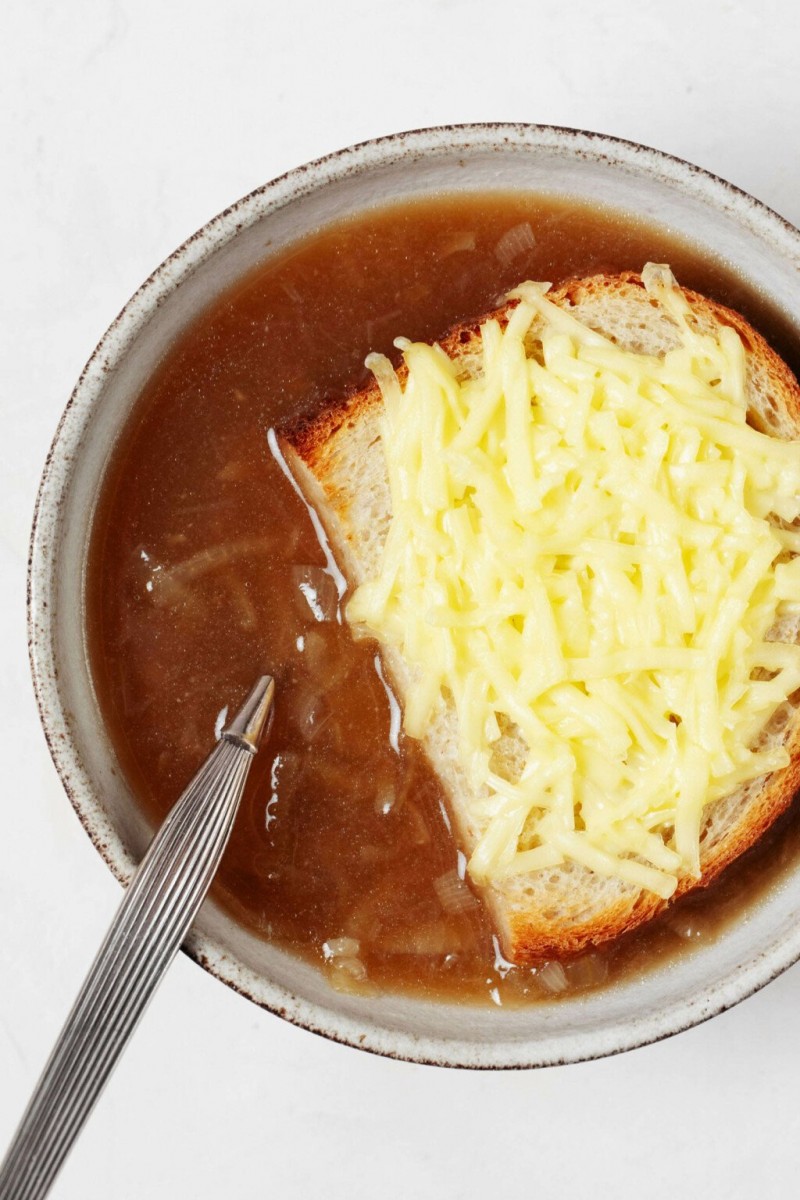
<point x="338" y="462"/>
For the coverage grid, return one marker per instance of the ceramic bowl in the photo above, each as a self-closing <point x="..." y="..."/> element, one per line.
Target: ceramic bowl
<point x="748" y="236"/>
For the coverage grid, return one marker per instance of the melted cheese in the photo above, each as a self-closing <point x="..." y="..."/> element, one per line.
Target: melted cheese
<point x="582" y="560"/>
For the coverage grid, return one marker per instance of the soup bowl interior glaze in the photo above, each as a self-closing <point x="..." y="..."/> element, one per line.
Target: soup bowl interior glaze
<point x="747" y="236"/>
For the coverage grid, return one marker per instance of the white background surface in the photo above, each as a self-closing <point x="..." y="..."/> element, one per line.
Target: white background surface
<point x="124" y="126"/>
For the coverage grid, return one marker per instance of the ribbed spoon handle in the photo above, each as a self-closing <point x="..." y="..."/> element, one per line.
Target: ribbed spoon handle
<point x="152" y="921"/>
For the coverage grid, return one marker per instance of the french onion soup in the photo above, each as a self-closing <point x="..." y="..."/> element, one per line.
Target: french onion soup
<point x="207" y="564"/>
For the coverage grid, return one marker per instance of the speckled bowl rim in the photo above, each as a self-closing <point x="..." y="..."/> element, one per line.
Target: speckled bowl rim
<point x="365" y="156"/>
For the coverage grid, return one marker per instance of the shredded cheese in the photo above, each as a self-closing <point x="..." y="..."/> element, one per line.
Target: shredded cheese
<point x="584" y="556"/>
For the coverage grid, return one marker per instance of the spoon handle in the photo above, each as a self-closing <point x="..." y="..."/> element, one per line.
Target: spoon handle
<point x="152" y="921"/>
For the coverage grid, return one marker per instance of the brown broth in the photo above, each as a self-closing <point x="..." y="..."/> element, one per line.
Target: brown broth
<point x="198" y="551"/>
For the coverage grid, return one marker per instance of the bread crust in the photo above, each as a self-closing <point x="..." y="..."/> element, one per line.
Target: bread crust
<point x="313" y="447"/>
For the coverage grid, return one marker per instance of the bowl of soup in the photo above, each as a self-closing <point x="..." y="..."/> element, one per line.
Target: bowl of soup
<point x="172" y="561"/>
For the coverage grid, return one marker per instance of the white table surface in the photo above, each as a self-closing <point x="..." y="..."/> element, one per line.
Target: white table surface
<point x="126" y="124"/>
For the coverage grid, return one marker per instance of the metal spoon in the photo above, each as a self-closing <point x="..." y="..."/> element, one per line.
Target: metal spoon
<point x="152" y="921"/>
